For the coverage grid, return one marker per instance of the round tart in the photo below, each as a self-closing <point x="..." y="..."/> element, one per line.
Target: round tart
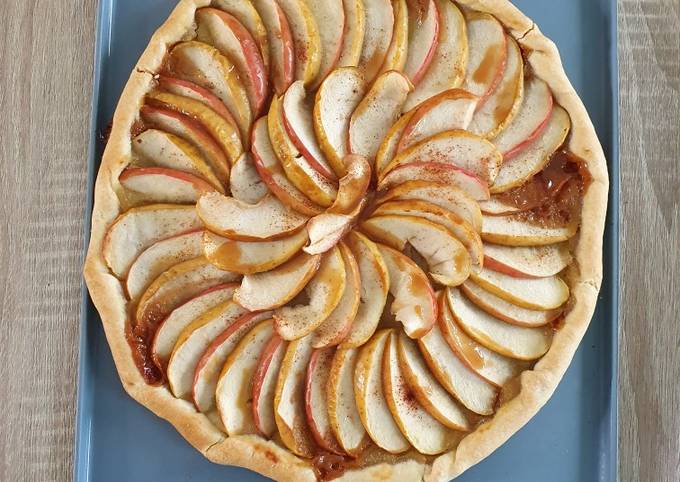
<point x="357" y="240"/>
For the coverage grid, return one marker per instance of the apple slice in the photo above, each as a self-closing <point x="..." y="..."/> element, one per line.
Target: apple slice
<point x="496" y="206"/>
<point x="423" y="33"/>
<point x="426" y="389"/>
<point x="315" y="400"/>
<point x="353" y="186"/>
<point x="169" y="330"/>
<point x="211" y="367"/>
<point x="205" y="65"/>
<point x="395" y="58"/>
<point x="536" y="155"/>
<point x="248" y="257"/>
<point x="447" y="67"/>
<point x="488" y="364"/>
<point x="192" y="343"/>
<point x="289" y="399"/>
<point x="330" y="19"/>
<point x="324" y="292"/>
<point x="267" y="220"/>
<point x="506" y="311"/>
<point x="245" y="183"/>
<point x="389" y="145"/>
<point x="369" y="392"/>
<point x="472" y="391"/>
<point x="487" y="56"/>
<point x="335" y="328"/>
<point x="535" y="294"/>
<point x="239" y="370"/>
<point x="274" y="288"/>
<point x="299" y="124"/>
<point x="514" y="230"/>
<point x="281" y="46"/>
<point x="374" y="284"/>
<point x="159" y="257"/>
<point x="326" y="230"/>
<point x="502" y="104"/>
<point x="306" y="39"/>
<point x="459" y="227"/>
<point x="223" y="31"/>
<point x="337" y="97"/>
<point x="298" y="169"/>
<point x="246" y="13"/>
<point x="354" y="32"/>
<point x="187" y="128"/>
<point x="452" y="109"/>
<point x="138" y="228"/>
<point x="264" y="385"/>
<point x="451" y="199"/>
<point x="422" y="430"/>
<point x="163" y="185"/>
<point x="375" y="114"/>
<point x="378" y="29"/>
<point x="446" y="257"/>
<point x="458" y="148"/>
<point x="437" y="173"/>
<point x="507" y="339"/>
<point x="270" y="170"/>
<point x="527" y="262"/>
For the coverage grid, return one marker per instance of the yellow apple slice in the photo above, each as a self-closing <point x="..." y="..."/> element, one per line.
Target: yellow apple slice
<point x="514" y="230"/>
<point x="447" y="68"/>
<point x="192" y="343"/>
<point x="426" y="434"/>
<point x="395" y="58"/>
<point x="378" y="29"/>
<point x="280" y="38"/>
<point x="446" y="257"/>
<point x="423" y="39"/>
<point x="471" y="390"/>
<point x="162" y="185"/>
<point x="353" y="37"/>
<point x="324" y="292"/>
<point x="505" y="338"/>
<point x="316" y="395"/>
<point x="377" y="112"/>
<point x="276" y="287"/>
<point x="487" y="55"/>
<point x="289" y="399"/>
<point x="535" y="294"/>
<point x="245" y="12"/>
<point x="374" y="284"/>
<point x="330" y="19"/>
<point x="527" y="262"/>
<point x="426" y="389"/>
<point x="138" y="228"/>
<point x="369" y="393"/>
<point x="264" y="385"/>
<point x="306" y="39"/>
<point x="496" y="206"/>
<point x="389" y="145"/>
<point x="245" y="183"/>
<point x="240" y="367"/>
<point x="343" y="413"/>
<point x="248" y="257"/>
<point x="534" y="157"/>
<point x="337" y="97"/>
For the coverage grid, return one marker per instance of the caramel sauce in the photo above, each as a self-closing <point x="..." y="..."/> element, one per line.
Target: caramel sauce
<point x="506" y="100"/>
<point x="487" y="69"/>
<point x="330" y="466"/>
<point x="229" y="250"/>
<point x="140" y="338"/>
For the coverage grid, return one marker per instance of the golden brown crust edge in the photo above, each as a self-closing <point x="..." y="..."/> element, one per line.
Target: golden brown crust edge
<point x="266" y="457"/>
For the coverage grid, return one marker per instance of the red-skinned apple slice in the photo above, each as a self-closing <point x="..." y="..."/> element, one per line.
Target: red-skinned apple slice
<point x="378" y="29"/>
<point x="223" y="31"/>
<point x="368" y="390"/>
<point x="375" y="283"/>
<point x="452" y="109"/>
<point x="315" y="400"/>
<point x="326" y="230"/>
<point x="248" y="257"/>
<point x="330" y="19"/>
<point x="422" y="430"/>
<point x="213" y="364"/>
<point x="353" y="37"/>
<point x="289" y="399"/>
<point x="324" y="292"/>
<point x="138" y="228"/>
<point x="163" y="185"/>
<point x="246" y="13"/>
<point x="239" y="370"/>
<point x="514" y="230"/>
<point x="426" y="389"/>
<point x="264" y="385"/>
<point x="487" y="56"/>
<point x="527" y="262"/>
<point x="506" y="311"/>
<point x="534" y="157"/>
<point x="507" y="339"/>
<point x="389" y="145"/>
<point x="245" y="182"/>
<point x="306" y="39"/>
<point x="423" y="40"/>
<point x="446" y="257"/>
<point x="280" y="38"/>
<point x="447" y="67"/>
<point x="275" y="288"/>
<point x="395" y="58"/>
<point x="376" y="113"/>
<point x="535" y="294"/>
<point x="271" y="171"/>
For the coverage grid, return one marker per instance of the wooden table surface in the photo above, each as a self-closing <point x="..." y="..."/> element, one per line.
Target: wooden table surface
<point x="45" y="84"/>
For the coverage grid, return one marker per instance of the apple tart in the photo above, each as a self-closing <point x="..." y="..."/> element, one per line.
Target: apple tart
<point x="353" y="240"/>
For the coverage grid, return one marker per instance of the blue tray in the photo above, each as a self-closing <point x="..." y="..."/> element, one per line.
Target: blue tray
<point x="573" y="438"/>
